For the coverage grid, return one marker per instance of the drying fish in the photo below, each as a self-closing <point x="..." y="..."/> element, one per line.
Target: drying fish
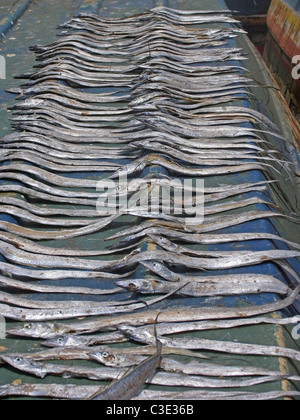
<point x="187" y="129"/>
<point x="62" y="167"/>
<point x="202" y="146"/>
<point x="118" y="360"/>
<point x="29" y="287"/>
<point x="162" y="329"/>
<point x="205" y="239"/>
<point x="181" y="314"/>
<point x="170" y="365"/>
<point x="84" y="392"/>
<point x="214" y="224"/>
<point x="68" y="147"/>
<point x="42" y="370"/>
<point x="50" y="177"/>
<point x="217" y="346"/>
<point x="70" y="93"/>
<point x="140" y="164"/>
<point x="159" y="109"/>
<point x="39" y="304"/>
<point x="207" y="286"/>
<point x="165" y="64"/>
<point x="216" y="396"/>
<point x="172" y="247"/>
<point x="47" y="211"/>
<point x="133" y="382"/>
<point x="25" y="273"/>
<point x="30" y="246"/>
<point x="25" y="258"/>
<point x="27" y="216"/>
<point x="21" y="314"/>
<point x="56" y="391"/>
<point x="60" y="234"/>
<point x="85" y="353"/>
<point x="83" y="342"/>
<point x="45" y="154"/>
<point x="206" y="158"/>
<point x="237" y="260"/>
<point x="145" y="371"/>
<point x="28" y="192"/>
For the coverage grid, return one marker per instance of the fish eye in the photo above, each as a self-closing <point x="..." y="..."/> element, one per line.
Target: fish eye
<point x="105" y="355"/>
<point x="18" y="359"/>
<point x="60" y="340"/>
<point x="28" y="326"/>
<point x="132" y="287"/>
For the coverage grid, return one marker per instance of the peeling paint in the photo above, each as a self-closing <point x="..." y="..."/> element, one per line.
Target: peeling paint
<point x="284" y="23"/>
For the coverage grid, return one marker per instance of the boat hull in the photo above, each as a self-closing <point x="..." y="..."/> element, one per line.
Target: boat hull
<point x="283" y="44"/>
<point x="249" y="7"/>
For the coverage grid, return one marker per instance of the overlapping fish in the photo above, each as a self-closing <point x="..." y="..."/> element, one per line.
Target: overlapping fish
<point x="172" y="108"/>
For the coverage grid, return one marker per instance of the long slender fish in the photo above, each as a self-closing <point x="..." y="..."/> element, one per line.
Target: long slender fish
<point x="11" y="270"/>
<point x="203" y="239"/>
<point x="162" y="329"/>
<point x="80" y="392"/>
<point x="216" y="396"/>
<point x="192" y="368"/>
<point x="30" y="287"/>
<point x="219" y="286"/>
<point x="211" y="345"/>
<point x="63" y="312"/>
<point x="181" y="314"/>
<point x="133" y="382"/>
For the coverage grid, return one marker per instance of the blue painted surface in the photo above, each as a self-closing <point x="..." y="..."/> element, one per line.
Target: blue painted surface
<point x="249" y="7"/>
<point x="16" y="12"/>
<point x="295" y="4"/>
<point x="90" y="6"/>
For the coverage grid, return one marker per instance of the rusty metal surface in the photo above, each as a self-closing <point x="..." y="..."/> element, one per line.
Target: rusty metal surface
<point x="284" y="24"/>
<point x="282" y="44"/>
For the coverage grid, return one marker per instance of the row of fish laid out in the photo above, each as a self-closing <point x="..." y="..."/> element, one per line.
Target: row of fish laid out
<point x="149" y="99"/>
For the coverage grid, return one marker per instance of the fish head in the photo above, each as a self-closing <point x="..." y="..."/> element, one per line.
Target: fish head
<point x="106" y="358"/>
<point x="163" y="242"/>
<point x="138" y="286"/>
<point x="36" y="330"/>
<point x="144" y="143"/>
<point x="136" y="166"/>
<point x="141" y="336"/>
<point x="65" y="341"/>
<point x="23" y="364"/>
<point x="157" y="268"/>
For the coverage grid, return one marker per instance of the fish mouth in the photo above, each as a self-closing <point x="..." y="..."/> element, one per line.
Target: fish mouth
<point x="17" y="332"/>
<point x="147" y="265"/>
<point x="130" y="286"/>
